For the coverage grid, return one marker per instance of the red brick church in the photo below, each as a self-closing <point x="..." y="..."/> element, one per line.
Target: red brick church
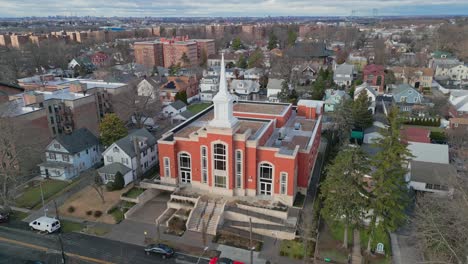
<point x="244" y="148"/>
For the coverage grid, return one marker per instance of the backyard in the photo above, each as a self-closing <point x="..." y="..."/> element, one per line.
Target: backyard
<point x="31" y="196"/>
<point x="197" y="108"/>
<point x="87" y="205"/>
<point x="330" y="243"/>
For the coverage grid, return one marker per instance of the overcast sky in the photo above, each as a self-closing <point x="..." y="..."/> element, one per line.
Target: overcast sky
<point x="171" y="8"/>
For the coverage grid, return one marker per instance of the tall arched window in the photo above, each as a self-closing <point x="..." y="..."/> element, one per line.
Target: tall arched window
<point x="204" y="164"/>
<point x="220" y="168"/>
<point x="265" y="179"/>
<point x="185" y="168"/>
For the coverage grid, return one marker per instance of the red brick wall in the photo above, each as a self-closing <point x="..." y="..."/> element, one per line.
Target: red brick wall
<point x="308" y="112"/>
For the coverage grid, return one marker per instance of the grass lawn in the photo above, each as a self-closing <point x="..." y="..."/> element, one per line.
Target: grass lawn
<point x="292" y="248"/>
<point x="134" y="192"/>
<point x="32" y="195"/>
<point x="337" y="232"/>
<point x="18" y="215"/>
<point x="117" y="214"/>
<point x="197" y="108"/>
<point x="97" y="231"/>
<point x="69" y="226"/>
<point x="379" y="237"/>
<point x="335" y="255"/>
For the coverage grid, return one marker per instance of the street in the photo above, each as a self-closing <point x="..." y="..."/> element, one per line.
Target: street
<point x="18" y="245"/>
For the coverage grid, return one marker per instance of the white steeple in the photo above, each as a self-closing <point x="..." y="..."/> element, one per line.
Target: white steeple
<point x="223" y="103"/>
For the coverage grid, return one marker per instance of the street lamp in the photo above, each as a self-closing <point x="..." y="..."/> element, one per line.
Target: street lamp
<point x="203" y="253"/>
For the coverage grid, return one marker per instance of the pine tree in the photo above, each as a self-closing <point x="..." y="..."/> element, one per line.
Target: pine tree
<point x="181" y="96"/>
<point x="389" y="197"/>
<point x="318" y="88"/>
<point x="343" y="192"/>
<point x="119" y="181"/>
<point x="292" y="36"/>
<point x="361" y="115"/>
<point x="236" y="44"/>
<point x="111" y="129"/>
<point x="272" y="42"/>
<point x="242" y="62"/>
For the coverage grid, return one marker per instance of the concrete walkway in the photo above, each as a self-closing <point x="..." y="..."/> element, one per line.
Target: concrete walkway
<point x="357" y="256"/>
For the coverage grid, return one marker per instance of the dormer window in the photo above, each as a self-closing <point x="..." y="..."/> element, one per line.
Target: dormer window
<point x="115" y="150"/>
<point x="57" y="146"/>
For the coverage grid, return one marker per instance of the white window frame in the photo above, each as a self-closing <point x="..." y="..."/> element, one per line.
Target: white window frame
<point x="266" y="164"/>
<point x="167" y="167"/>
<point x="220" y="173"/>
<point x="239" y="168"/>
<point x="284" y="183"/>
<point x="204" y="164"/>
<point x="186" y="169"/>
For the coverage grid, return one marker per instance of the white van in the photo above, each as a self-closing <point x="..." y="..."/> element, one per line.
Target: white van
<point x="45" y="224"/>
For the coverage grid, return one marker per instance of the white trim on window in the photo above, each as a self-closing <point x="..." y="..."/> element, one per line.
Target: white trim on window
<point x="167" y="167"/>
<point x="185" y="170"/>
<point x="239" y="169"/>
<point x="283" y="183"/>
<point x="220" y="170"/>
<point x="204" y="164"/>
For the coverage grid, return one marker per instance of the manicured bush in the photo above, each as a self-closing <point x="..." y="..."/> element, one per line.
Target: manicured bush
<point x="89" y="212"/>
<point x="119" y="181"/>
<point x="71" y="209"/>
<point x="97" y="213"/>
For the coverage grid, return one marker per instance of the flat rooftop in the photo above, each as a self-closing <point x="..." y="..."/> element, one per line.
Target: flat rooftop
<point x="261" y="108"/>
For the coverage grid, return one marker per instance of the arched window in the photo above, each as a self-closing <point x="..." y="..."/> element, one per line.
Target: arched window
<point x="265" y="179"/>
<point x="185" y="168"/>
<point x="204" y="164"/>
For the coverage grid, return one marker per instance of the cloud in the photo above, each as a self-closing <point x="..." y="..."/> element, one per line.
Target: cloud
<point x="188" y="8"/>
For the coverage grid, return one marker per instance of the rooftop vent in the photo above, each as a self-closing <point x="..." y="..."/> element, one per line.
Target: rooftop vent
<point x="297" y="126"/>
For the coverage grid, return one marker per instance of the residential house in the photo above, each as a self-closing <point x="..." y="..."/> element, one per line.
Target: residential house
<point x="183" y="116"/>
<point x="136" y="153"/>
<point x="148" y="87"/>
<point x="83" y="63"/>
<point x="459" y="72"/>
<point x="374" y="75"/>
<point x="359" y="62"/>
<point x="458" y="103"/>
<point x="415" y="134"/>
<point x="419" y="78"/>
<point x="245" y="89"/>
<point x="274" y="87"/>
<point x="406" y="97"/>
<point x="344" y="74"/>
<point x="176" y="84"/>
<point x="456" y="122"/>
<point x="371" y="93"/>
<point x="100" y="59"/>
<point x="310" y="53"/>
<point x="306" y="73"/>
<point x="69" y="154"/>
<point x="333" y="98"/>
<point x="373" y="133"/>
<point x="174" y="108"/>
<point x="208" y="87"/>
<point x="252" y="74"/>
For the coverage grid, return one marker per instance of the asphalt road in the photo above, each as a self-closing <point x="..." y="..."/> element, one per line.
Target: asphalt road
<point x="17" y="245"/>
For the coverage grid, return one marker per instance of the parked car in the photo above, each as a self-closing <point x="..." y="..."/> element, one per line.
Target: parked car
<point x="159" y="249"/>
<point x="4" y="217"/>
<point x="45" y="224"/>
<point x="217" y="260"/>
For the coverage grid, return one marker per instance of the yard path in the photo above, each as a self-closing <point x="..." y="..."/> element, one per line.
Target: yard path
<point x="84" y="180"/>
<point x="356" y="257"/>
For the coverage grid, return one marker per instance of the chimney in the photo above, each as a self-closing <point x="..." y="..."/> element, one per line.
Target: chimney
<point x="77" y="87"/>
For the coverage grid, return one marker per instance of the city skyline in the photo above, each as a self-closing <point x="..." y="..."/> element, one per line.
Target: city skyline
<point x="239" y="8"/>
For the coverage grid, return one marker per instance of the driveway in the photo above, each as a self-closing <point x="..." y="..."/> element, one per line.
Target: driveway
<point x="151" y="210"/>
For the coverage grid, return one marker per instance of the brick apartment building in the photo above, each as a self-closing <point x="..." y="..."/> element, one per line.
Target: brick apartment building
<point x="5" y="40"/>
<point x="167" y="52"/>
<point x="100" y="59"/>
<point x="18" y="41"/>
<point x="374" y="75"/>
<point x="258" y="150"/>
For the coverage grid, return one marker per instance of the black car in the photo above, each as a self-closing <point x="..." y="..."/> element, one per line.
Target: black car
<point x="4" y="217"/>
<point x="159" y="249"/>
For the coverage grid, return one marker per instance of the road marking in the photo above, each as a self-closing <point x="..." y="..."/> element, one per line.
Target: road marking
<point x="12" y="241"/>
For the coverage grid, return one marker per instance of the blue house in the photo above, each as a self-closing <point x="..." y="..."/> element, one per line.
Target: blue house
<point x="334" y="97"/>
<point x="406" y="97"/>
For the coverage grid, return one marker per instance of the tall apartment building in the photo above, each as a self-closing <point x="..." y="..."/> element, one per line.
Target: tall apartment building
<point x="173" y="53"/>
<point x="5" y="40"/>
<point x="18" y="41"/>
<point x="81" y="36"/>
<point x="37" y="39"/>
<point x="149" y="53"/>
<point x="206" y="45"/>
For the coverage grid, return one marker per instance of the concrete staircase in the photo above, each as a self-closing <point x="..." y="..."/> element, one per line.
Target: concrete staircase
<point x="206" y="215"/>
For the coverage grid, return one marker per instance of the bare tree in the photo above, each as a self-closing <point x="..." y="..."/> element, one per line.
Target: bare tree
<point x="98" y="185"/>
<point x="442" y="225"/>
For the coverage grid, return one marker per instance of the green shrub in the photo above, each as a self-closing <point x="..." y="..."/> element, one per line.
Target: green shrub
<point x="97" y="214"/>
<point x="119" y="181"/>
<point x="71" y="209"/>
<point x="89" y="212"/>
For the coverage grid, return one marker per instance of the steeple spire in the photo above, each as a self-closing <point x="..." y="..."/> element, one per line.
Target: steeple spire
<point x="223" y="103"/>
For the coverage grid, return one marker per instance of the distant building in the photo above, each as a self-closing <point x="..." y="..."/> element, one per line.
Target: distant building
<point x="100" y="59"/>
<point x="344" y="74"/>
<point x="458" y="103"/>
<point x="274" y="87"/>
<point x="176" y="84"/>
<point x="18" y="41"/>
<point x="245" y="89"/>
<point x="69" y="155"/>
<point x="374" y="75"/>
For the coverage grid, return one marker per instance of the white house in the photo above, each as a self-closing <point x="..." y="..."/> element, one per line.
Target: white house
<point x="208" y="87"/>
<point x="148" y="88"/>
<point x="459" y="100"/>
<point x="253" y="74"/>
<point x="174" y="108"/>
<point x="68" y="155"/>
<point x="245" y="89"/>
<point x="431" y="177"/>
<point x="344" y="74"/>
<point x="453" y="72"/>
<point x="273" y="89"/>
<point x="371" y="93"/>
<point x="124" y="151"/>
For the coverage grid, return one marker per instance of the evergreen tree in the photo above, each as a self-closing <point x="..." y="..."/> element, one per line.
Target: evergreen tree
<point x="181" y="96"/>
<point x="389" y="197"/>
<point x="361" y="115"/>
<point x="272" y="42"/>
<point x="256" y="59"/>
<point x="112" y="129"/>
<point x="318" y="88"/>
<point x="342" y="191"/>
<point x="292" y="36"/>
<point x="242" y="62"/>
<point x="119" y="181"/>
<point x="343" y="121"/>
<point x="236" y="44"/>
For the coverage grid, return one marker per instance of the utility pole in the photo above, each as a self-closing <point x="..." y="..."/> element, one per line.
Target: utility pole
<point x="250" y="243"/>
<point x="42" y="198"/>
<point x="59" y="233"/>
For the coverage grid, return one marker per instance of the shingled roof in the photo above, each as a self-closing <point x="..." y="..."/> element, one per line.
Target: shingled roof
<point x="309" y="51"/>
<point x="126" y="143"/>
<point x="78" y="140"/>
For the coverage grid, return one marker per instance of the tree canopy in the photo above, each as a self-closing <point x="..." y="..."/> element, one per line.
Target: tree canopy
<point x="256" y="59"/>
<point x="182" y="95"/>
<point x="236" y="44"/>
<point x="112" y="129"/>
<point x="362" y="116"/>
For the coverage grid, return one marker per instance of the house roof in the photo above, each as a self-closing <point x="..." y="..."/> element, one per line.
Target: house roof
<point x="344" y="69"/>
<point x="187" y="114"/>
<point x="113" y="168"/>
<point x="426" y="152"/>
<point x="434" y="173"/>
<point x="309" y="51"/>
<point x="78" y="140"/>
<point x="177" y="105"/>
<point x="275" y="84"/>
<point x="415" y="134"/>
<point x="459" y="120"/>
<point x="126" y="143"/>
<point x="373" y="69"/>
<point x="362" y="87"/>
